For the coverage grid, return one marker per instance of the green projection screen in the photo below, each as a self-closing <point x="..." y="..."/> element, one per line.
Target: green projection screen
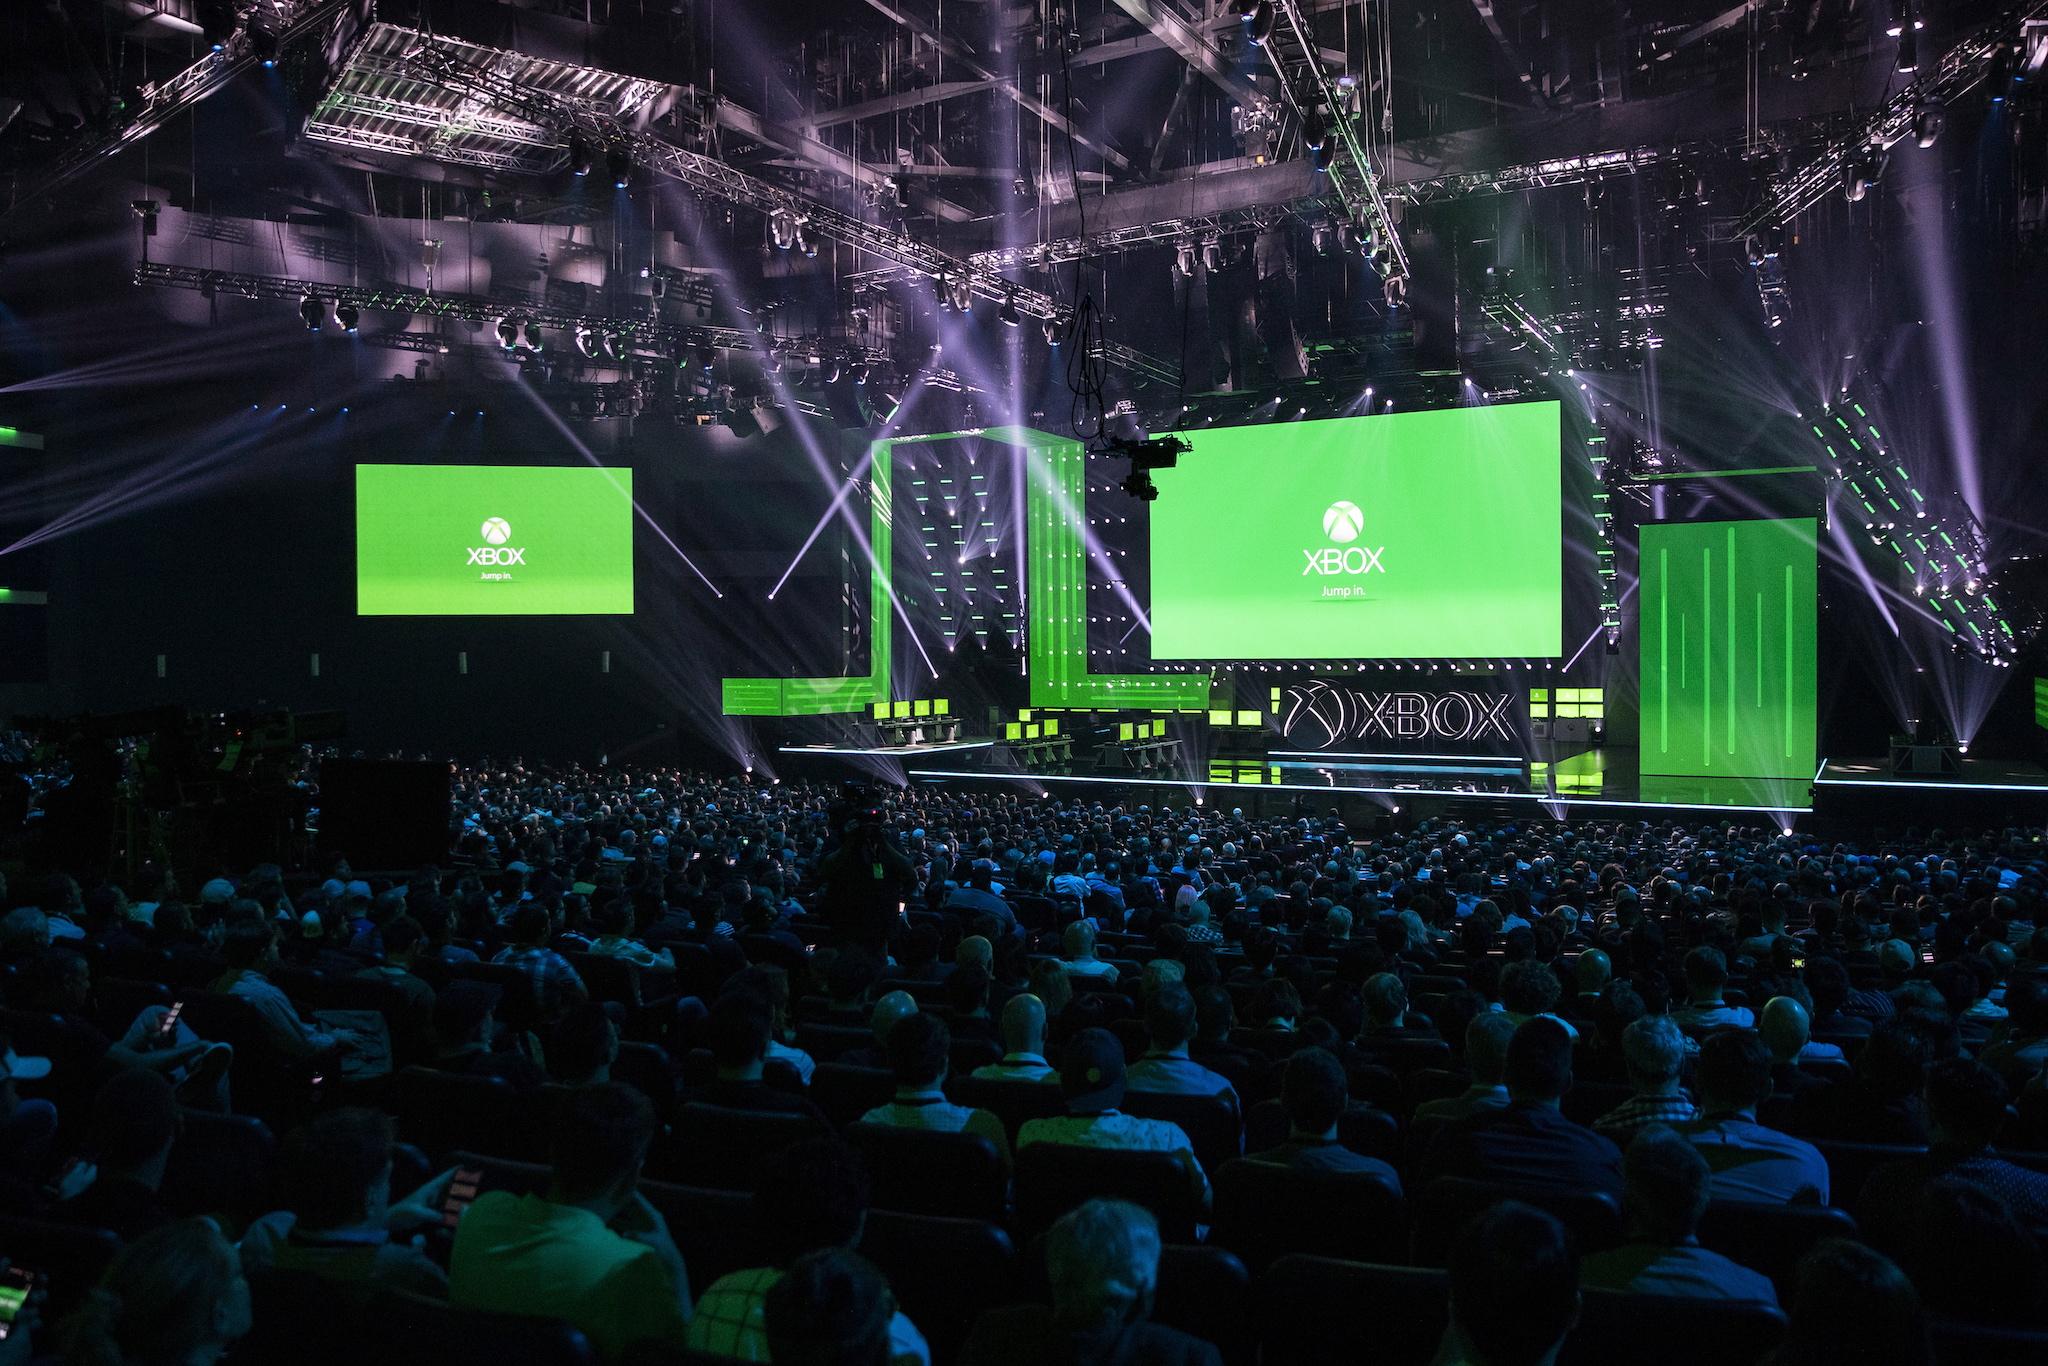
<point x="1726" y="614"/>
<point x="493" y="540"/>
<point x="1404" y="535"/>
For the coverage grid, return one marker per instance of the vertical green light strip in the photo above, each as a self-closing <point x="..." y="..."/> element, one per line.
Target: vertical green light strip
<point x="1759" y="647"/>
<point x="1733" y="651"/>
<point x="1789" y="754"/>
<point x="1664" y="651"/>
<point x="1707" y="655"/>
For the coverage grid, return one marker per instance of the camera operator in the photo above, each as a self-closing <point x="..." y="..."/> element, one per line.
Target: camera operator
<point x="866" y="879"/>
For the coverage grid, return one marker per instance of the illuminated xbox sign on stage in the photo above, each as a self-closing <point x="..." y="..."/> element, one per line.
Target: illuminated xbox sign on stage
<point x="1320" y="715"/>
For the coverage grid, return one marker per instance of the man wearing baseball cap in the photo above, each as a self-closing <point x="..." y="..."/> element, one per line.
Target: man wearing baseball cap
<point x="1092" y="1081"/>
<point x="27" y="1127"/>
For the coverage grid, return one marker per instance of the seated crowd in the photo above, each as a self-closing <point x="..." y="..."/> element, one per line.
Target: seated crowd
<point x="714" y="1069"/>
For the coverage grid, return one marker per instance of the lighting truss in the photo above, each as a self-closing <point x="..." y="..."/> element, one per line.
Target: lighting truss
<point x="161" y="101"/>
<point x="1960" y="70"/>
<point x="1941" y="548"/>
<point x="714" y="179"/>
<point x="380" y="102"/>
<point x="647" y="334"/>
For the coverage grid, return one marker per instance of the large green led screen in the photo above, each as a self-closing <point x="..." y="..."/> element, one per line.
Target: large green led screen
<point x="1726" y="620"/>
<point x="1402" y="535"/>
<point x="493" y="540"/>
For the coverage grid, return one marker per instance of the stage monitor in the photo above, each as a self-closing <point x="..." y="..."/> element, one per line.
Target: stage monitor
<point x="493" y="540"/>
<point x="1433" y="535"/>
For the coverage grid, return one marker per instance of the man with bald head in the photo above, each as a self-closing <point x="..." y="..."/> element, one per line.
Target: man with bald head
<point x="890" y="1007"/>
<point x="1023" y="1027"/>
<point x="1785" y="1027"/>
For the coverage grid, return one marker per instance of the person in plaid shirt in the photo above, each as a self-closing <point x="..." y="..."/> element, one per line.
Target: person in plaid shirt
<point x="1654" y="1052"/>
<point x="813" y="1195"/>
<point x="556" y="983"/>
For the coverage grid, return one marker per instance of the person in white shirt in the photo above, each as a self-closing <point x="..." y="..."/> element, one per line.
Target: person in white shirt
<point x="1078" y="946"/>
<point x="1706" y="974"/>
<point x="919" y="1047"/>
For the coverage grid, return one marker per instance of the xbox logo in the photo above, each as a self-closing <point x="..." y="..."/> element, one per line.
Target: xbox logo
<point x="1341" y="522"/>
<point x="497" y="530"/>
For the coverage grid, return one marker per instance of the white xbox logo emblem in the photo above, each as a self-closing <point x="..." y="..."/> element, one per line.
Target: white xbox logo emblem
<point x="1343" y="522"/>
<point x="497" y="530"/>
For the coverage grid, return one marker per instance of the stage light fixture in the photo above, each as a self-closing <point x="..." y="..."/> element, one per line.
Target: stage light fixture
<point x="1927" y="121"/>
<point x="616" y="345"/>
<point x="1907" y="59"/>
<point x="1008" y="315"/>
<point x="1382" y="260"/>
<point x="962" y="292"/>
<point x="707" y="358"/>
<point x="1212" y="253"/>
<point x="1319" y="238"/>
<point x="263" y="45"/>
<point x="508" y="332"/>
<point x="1053" y="329"/>
<point x="1325" y="154"/>
<point x="217" y="20"/>
<point x="313" y="309"/>
<point x="1184" y="257"/>
<point x="782" y="229"/>
<point x="1261" y="20"/>
<point x="806" y="240"/>
<point x="531" y="334"/>
<point x="860" y="373"/>
<point x="350" y="318"/>
<point x="1313" y="131"/>
<point x="1861" y="175"/>
<point x="941" y="293"/>
<point x="618" y="163"/>
<point x="579" y="154"/>
<point x="586" y="342"/>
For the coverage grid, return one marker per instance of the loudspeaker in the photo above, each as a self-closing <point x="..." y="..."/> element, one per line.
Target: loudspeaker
<point x="388" y="815"/>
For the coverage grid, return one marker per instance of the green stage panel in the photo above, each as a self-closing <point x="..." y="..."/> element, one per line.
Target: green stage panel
<point x="1397" y="536"/>
<point x="493" y="540"/>
<point x="1726" y="616"/>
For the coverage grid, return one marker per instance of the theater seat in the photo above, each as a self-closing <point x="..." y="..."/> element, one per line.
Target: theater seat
<point x="1449" y="1203"/>
<point x="1620" y="1329"/>
<point x="1265" y="1211"/>
<point x="945" y="1272"/>
<point x="1769" y="1237"/>
<point x="1012" y="1102"/>
<point x="1211" y="1123"/>
<point x="443" y="1111"/>
<point x="312" y="1321"/>
<point x="846" y="1093"/>
<point x="220" y="1164"/>
<point x="1053" y="1178"/>
<point x="715" y="1230"/>
<point x="1977" y="1344"/>
<point x="719" y="1147"/>
<point x="1319" y="1311"/>
<point x="920" y="1171"/>
<point x="1207" y="1291"/>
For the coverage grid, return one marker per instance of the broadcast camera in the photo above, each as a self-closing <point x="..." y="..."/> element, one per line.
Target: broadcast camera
<point x="1152" y="453"/>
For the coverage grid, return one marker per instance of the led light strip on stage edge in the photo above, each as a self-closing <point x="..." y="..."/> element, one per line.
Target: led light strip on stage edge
<point x="1404" y="758"/>
<point x="1411" y="793"/>
<point x="899" y="751"/>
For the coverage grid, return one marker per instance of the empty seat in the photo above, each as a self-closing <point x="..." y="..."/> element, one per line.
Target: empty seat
<point x="1265" y="1211"/>
<point x="1053" y="1178"/>
<point x="1449" y="1203"/>
<point x="715" y="1146"/>
<point x="945" y="1272"/>
<point x="1319" y="1311"/>
<point x="1770" y="1237"/>
<point x="924" y="1171"/>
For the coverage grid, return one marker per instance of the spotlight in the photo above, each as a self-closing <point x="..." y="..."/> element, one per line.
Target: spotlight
<point x="579" y="154"/>
<point x="860" y="373"/>
<point x="1053" y="329"/>
<point x="782" y="229"/>
<point x="1184" y="257"/>
<point x="263" y="45"/>
<point x="1319" y="238"/>
<point x="618" y="163"/>
<point x="940" y="292"/>
<point x="707" y="359"/>
<point x="1008" y="315"/>
<point x="1212" y="254"/>
<point x="217" y="19"/>
<point x="1927" y="124"/>
<point x="1908" y="58"/>
<point x="1261" y="20"/>
<point x="586" y="342"/>
<point x="1324" y="155"/>
<point x="313" y="309"/>
<point x="1313" y="132"/>
<point x="616" y="345"/>
<point x="349" y="317"/>
<point x="1862" y="174"/>
<point x="531" y="334"/>
<point x="806" y="241"/>
<point x="962" y="292"/>
<point x="508" y="332"/>
<point x="1382" y="259"/>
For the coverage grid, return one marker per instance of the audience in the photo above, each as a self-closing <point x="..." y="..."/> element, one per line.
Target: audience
<point x="1312" y="1086"/>
<point x="1486" y="1060"/>
<point x="1852" y="1305"/>
<point x="1023" y="1043"/>
<point x="1514" y="1290"/>
<point x="1166" y="1066"/>
<point x="1530" y="1142"/>
<point x="1749" y="1161"/>
<point x="1092" y="1083"/>
<point x="173" y="1297"/>
<point x="919" y="1048"/>
<point x="134" y="1123"/>
<point x="1654" y="1052"/>
<point x="830" y="1308"/>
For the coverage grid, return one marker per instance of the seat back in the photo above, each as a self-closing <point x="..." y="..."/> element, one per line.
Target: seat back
<point x="714" y="1146"/>
<point x="416" y="1328"/>
<point x="443" y="1111"/>
<point x="220" y="1164"/>
<point x="1210" y="1122"/>
<point x="715" y="1230"/>
<point x="1407" y="1054"/>
<point x="1013" y="1102"/>
<point x="825" y="1042"/>
<point x="1449" y="1203"/>
<point x="923" y="1171"/>
<point x="1980" y="1344"/>
<point x="1850" y="1165"/>
<point x="1619" y="1329"/>
<point x="1319" y="1311"/>
<point x="944" y="1272"/>
<point x="846" y="1093"/>
<point x="1264" y="1211"/>
<point x="1769" y="1237"/>
<point x="1207" y="1291"/>
<point x="1053" y="1178"/>
<point x="609" y="978"/>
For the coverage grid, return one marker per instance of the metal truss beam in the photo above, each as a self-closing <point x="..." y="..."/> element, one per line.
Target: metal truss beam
<point x="167" y="99"/>
<point x="1961" y="69"/>
<point x="896" y="104"/>
<point x="709" y="176"/>
<point x="743" y="120"/>
<point x="1194" y="48"/>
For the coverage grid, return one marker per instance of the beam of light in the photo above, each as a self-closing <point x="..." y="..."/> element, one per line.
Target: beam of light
<point x="538" y="404"/>
<point x="1598" y="631"/>
<point x="1935" y="268"/>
